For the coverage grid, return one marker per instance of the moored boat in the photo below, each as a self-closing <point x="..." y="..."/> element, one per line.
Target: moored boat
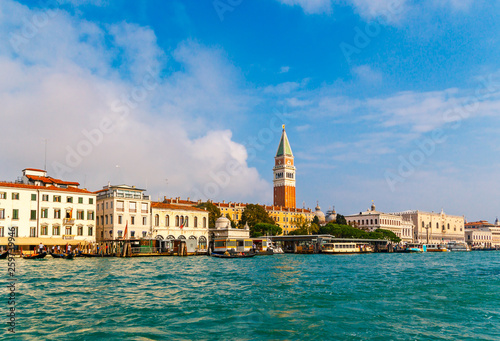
<point x="435" y="248"/>
<point x="458" y="246"/>
<point x="35" y="255"/>
<point x="233" y="255"/>
<point x="346" y="248"/>
<point x="63" y="255"/>
<point x="415" y="248"/>
<point x="4" y="255"/>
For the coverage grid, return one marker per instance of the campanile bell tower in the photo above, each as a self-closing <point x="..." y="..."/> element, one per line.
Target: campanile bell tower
<point x="284" y="174"/>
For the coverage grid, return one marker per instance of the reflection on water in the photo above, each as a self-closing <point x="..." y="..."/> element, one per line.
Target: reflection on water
<point x="374" y="296"/>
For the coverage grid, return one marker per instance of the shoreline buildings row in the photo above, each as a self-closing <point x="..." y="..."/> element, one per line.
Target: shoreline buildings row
<point x="39" y="207"/>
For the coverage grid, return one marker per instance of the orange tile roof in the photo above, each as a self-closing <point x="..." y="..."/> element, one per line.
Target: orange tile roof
<point x="175" y="207"/>
<point x="184" y="202"/>
<point x="478" y="223"/>
<point x="45" y="188"/>
<point x="49" y="180"/>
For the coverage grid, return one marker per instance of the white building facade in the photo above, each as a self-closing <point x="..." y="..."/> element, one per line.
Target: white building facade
<point x="172" y="221"/>
<point x="434" y="228"/>
<point x="371" y="219"/>
<point x="123" y="212"/>
<point x="48" y="210"/>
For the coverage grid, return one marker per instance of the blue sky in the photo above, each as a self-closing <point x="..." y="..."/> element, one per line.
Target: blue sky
<point x="392" y="101"/>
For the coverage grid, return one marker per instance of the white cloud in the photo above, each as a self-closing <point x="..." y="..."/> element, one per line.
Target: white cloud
<point x="389" y="11"/>
<point x="284" y="69"/>
<point x="66" y="79"/>
<point x="366" y="74"/>
<point x="282" y="88"/>
<point x="311" y="6"/>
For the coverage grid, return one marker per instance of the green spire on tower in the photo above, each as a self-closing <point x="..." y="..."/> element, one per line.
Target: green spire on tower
<point x="284" y="147"/>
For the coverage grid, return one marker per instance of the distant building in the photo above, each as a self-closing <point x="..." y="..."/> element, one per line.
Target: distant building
<point x="318" y="213"/>
<point x="284" y="174"/>
<point x="331" y="216"/>
<point x="121" y="208"/>
<point x="42" y="208"/>
<point x="435" y="227"/>
<point x="475" y="238"/>
<point x="478" y="239"/>
<point x="285" y="217"/>
<point x="224" y="230"/>
<point x="371" y="219"/>
<point x="173" y="221"/>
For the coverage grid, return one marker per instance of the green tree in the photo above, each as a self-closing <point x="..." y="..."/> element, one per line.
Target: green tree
<point x="388" y="235"/>
<point x="262" y="229"/>
<point x="213" y="213"/>
<point x="255" y="214"/>
<point x="315" y="220"/>
<point x="341" y="220"/>
<point x="304" y="227"/>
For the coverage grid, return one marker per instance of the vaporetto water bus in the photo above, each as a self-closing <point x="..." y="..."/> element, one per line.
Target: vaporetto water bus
<point x="343" y="248"/>
<point x="415" y="248"/>
<point x="436" y="248"/>
<point x="236" y="245"/>
<point x="458" y="246"/>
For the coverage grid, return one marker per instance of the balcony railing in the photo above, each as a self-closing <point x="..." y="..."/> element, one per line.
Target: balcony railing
<point x="68" y="221"/>
<point x="68" y="236"/>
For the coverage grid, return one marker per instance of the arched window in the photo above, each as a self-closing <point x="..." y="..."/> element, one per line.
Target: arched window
<point x="448" y="226"/>
<point x="181" y="237"/>
<point x="186" y="221"/>
<point x="205" y="222"/>
<point x="423" y="224"/>
<point x="437" y="225"/>
<point x="202" y="243"/>
<point x="195" y="221"/>
<point x="176" y="220"/>
<point x="371" y="221"/>
<point x="157" y="220"/>
<point x="192" y="237"/>
<point x="182" y="220"/>
<point x="167" y="220"/>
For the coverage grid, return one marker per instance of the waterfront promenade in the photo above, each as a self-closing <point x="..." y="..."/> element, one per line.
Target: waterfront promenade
<point x="284" y="297"/>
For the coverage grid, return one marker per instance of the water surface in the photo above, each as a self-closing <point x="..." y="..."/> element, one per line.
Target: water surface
<point x="445" y="296"/>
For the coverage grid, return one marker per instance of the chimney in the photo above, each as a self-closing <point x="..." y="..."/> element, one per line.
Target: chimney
<point x="188" y="199"/>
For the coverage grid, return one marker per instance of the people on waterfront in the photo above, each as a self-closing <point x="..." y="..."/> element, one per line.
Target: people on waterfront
<point x="58" y="248"/>
<point x="53" y="248"/>
<point x="40" y="247"/>
<point x="68" y="249"/>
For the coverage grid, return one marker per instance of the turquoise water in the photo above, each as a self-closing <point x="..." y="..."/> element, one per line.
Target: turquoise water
<point x="445" y="296"/>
